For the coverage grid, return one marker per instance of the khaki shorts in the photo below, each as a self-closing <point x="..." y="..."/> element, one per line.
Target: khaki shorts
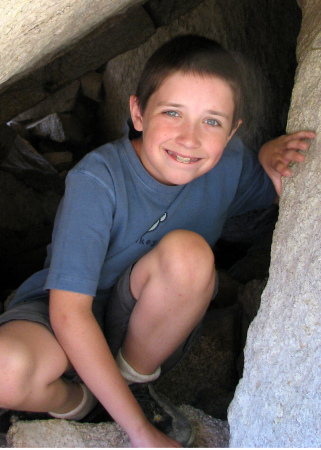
<point x="113" y="319"/>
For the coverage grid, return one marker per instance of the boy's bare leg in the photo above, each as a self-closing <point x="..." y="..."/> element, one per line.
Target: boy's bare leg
<point x="173" y="285"/>
<point x="31" y="364"/>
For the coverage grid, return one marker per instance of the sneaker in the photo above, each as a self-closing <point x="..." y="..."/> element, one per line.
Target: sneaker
<point x="163" y="414"/>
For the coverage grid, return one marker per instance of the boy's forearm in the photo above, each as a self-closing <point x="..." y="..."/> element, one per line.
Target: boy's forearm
<point x="81" y="338"/>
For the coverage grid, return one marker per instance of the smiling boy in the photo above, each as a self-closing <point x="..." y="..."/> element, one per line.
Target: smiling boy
<point x="184" y="136"/>
<point x="130" y="272"/>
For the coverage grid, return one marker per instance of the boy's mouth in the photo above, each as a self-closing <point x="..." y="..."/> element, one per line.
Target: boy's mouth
<point x="182" y="159"/>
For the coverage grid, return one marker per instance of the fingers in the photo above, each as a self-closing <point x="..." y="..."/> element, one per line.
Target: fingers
<point x="289" y="146"/>
<point x="293" y="155"/>
<point x="277" y="154"/>
<point x="281" y="164"/>
<point x="302" y="134"/>
<point x="298" y="140"/>
<point x="282" y="168"/>
<point x="297" y="144"/>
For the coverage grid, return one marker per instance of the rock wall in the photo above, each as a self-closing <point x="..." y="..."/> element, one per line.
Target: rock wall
<point x="278" y="401"/>
<point x="49" y="70"/>
<point x="44" y="46"/>
<point x="36" y="32"/>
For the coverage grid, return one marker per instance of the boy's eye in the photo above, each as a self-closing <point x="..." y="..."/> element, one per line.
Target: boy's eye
<point x="212" y="122"/>
<point x="172" y="113"/>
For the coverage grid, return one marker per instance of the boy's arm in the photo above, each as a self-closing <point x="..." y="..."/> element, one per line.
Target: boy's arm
<point x="276" y="155"/>
<point x="86" y="347"/>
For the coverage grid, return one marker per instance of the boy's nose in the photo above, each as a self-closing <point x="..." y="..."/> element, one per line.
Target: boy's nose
<point x="188" y="136"/>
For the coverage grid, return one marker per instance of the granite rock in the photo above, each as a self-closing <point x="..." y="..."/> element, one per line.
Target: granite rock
<point x="211" y="433"/>
<point x="278" y="401"/>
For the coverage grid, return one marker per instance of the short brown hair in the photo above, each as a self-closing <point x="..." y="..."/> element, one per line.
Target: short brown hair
<point x="190" y="54"/>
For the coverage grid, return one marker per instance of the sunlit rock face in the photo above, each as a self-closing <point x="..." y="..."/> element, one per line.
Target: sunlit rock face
<point x="36" y="32"/>
<point x="278" y="401"/>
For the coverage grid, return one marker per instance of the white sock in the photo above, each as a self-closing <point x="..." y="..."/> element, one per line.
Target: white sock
<point x="87" y="403"/>
<point x="130" y="374"/>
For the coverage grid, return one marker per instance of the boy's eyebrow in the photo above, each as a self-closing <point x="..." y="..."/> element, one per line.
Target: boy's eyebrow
<point x="175" y="105"/>
<point x="217" y="113"/>
<point x="178" y="105"/>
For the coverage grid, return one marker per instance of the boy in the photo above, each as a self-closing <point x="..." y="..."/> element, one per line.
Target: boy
<point x="139" y="217"/>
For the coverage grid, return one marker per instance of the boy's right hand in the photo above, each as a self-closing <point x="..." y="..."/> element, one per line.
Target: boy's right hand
<point x="150" y="437"/>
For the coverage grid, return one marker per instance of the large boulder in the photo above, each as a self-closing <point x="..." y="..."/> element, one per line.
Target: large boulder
<point x="46" y="45"/>
<point x="278" y="401"/>
<point x="211" y="433"/>
<point x="45" y="29"/>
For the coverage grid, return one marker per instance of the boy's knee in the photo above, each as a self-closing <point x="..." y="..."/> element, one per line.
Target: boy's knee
<point x="186" y="256"/>
<point x="16" y="370"/>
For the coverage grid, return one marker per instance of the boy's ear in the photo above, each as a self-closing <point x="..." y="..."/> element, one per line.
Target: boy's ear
<point x="233" y="131"/>
<point x="135" y="113"/>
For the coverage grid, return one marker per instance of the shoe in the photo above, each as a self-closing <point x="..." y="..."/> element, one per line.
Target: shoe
<point x="163" y="414"/>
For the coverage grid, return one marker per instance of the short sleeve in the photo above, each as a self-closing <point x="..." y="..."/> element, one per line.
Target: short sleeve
<point x="81" y="234"/>
<point x="255" y="189"/>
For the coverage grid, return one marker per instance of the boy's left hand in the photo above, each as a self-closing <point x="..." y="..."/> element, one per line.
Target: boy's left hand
<point x="276" y="155"/>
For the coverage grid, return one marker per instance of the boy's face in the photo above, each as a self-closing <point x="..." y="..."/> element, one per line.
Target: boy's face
<point x="186" y="126"/>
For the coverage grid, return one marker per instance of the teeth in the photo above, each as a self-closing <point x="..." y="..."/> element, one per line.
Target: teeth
<point x="180" y="158"/>
<point x="183" y="160"/>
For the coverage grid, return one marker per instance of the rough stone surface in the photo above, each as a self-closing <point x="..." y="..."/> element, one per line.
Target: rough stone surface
<point x="35" y="31"/>
<point x="162" y="13"/>
<point x="211" y="433"/>
<point x="114" y="36"/>
<point x="278" y="401"/>
<point x="60" y="433"/>
<point x="92" y="85"/>
<point x="58" y="127"/>
<point x="28" y="165"/>
<point x="61" y="101"/>
<point x="250" y="299"/>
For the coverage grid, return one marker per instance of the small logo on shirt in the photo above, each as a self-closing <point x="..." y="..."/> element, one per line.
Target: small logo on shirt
<point x="151" y="242"/>
<point x="161" y="219"/>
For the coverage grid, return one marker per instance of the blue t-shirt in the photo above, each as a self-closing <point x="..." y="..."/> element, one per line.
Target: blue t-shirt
<point x="113" y="212"/>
